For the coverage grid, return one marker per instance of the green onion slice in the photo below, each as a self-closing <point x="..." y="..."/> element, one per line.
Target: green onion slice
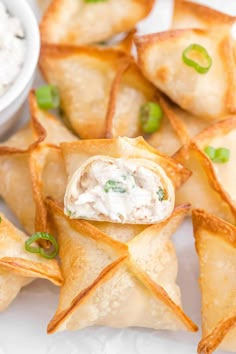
<point x="220" y="155"/>
<point x="161" y="194"/>
<point x="44" y="253"/>
<point x="48" y="97"/>
<point x="150" y="117"/>
<point x="198" y="58"/>
<point x="113" y="186"/>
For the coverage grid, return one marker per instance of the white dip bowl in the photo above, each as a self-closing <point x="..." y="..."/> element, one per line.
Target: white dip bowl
<point x="12" y="100"/>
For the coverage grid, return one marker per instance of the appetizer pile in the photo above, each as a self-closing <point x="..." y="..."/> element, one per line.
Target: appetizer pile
<point x="140" y="145"/>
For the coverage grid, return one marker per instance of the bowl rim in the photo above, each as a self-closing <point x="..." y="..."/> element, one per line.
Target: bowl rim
<point x="30" y="61"/>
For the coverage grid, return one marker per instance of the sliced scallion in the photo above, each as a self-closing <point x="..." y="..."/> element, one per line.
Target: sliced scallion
<point x="114" y="186"/>
<point x="150" y="117"/>
<point x="44" y="253"/>
<point x="48" y="97"/>
<point x="220" y="155"/>
<point x="198" y="58"/>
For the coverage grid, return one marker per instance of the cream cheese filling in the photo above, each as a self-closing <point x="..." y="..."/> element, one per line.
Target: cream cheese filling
<point x="120" y="190"/>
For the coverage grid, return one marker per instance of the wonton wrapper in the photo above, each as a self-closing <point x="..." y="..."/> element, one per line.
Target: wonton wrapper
<point x="16" y="185"/>
<point x="177" y="128"/>
<point x="210" y="95"/>
<point x="115" y="284"/>
<point x="19" y="267"/>
<point x="202" y="189"/>
<point x="216" y="247"/>
<point x="188" y="14"/>
<point x="222" y="134"/>
<point x="84" y="76"/>
<point x="130" y="90"/>
<point x="75" y="154"/>
<point x="78" y="23"/>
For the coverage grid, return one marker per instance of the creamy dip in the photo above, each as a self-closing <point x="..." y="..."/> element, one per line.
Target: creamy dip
<point x="120" y="190"/>
<point x="12" y="48"/>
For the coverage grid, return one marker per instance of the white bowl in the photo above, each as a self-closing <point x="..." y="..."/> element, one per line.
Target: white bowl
<point x="13" y="99"/>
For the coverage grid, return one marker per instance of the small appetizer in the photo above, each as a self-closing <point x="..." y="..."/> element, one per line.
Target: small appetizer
<point x="80" y="22"/>
<point x="110" y="107"/>
<point x="188" y="14"/>
<point x="114" y="284"/>
<point x="218" y="143"/>
<point x="132" y="191"/>
<point x="182" y="63"/>
<point x="215" y="244"/>
<point x="20" y="267"/>
<point x="77" y="153"/>
<point x="17" y="168"/>
<point x="202" y="189"/>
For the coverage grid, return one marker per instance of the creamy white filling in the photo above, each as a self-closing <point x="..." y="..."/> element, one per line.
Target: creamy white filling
<point x="12" y="48"/>
<point x="119" y="190"/>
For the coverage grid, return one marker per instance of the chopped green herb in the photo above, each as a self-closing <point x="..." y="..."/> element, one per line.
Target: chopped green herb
<point x="0" y="219"/>
<point x="194" y="55"/>
<point x="48" y="97"/>
<point x="44" y="253"/>
<point x="150" y="117"/>
<point x="113" y="186"/>
<point x="220" y="155"/>
<point x="161" y="194"/>
<point x="68" y="213"/>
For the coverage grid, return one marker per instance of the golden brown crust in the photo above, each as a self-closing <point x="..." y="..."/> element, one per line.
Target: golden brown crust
<point x="69" y="35"/>
<point x="210" y="343"/>
<point x="205" y="14"/>
<point x="162" y="295"/>
<point x="105" y="275"/>
<point x="183" y="155"/>
<point x="217" y="226"/>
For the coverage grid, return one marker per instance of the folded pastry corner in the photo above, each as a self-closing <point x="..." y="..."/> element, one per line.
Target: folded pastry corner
<point x="19" y="267"/>
<point x="202" y="189"/>
<point x="111" y="283"/>
<point x="132" y="191"/>
<point x="80" y="22"/>
<point x="215" y="244"/>
<point x="189" y="14"/>
<point x="182" y="62"/>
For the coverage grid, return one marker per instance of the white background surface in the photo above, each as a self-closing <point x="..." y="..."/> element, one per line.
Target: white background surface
<point x="23" y="325"/>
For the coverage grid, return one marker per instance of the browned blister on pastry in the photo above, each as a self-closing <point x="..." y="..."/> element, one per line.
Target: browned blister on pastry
<point x="216" y="248"/>
<point x="77" y="22"/>
<point x="19" y="267"/>
<point x="105" y="279"/>
<point x="209" y="94"/>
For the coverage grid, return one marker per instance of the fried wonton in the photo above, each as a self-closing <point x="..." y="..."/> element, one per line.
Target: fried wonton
<point x="120" y="190"/>
<point x="202" y="189"/>
<point x="16" y="186"/>
<point x="177" y="128"/>
<point x="84" y="77"/>
<point x="75" y="154"/>
<point x="216" y="248"/>
<point x="19" y="267"/>
<point x="114" y="284"/>
<point x="130" y="90"/>
<point x="209" y="95"/>
<point x="80" y="22"/>
<point x="188" y="14"/>
<point x="222" y="135"/>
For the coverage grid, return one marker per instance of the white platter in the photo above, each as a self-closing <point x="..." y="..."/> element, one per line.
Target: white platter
<point x="23" y="325"/>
